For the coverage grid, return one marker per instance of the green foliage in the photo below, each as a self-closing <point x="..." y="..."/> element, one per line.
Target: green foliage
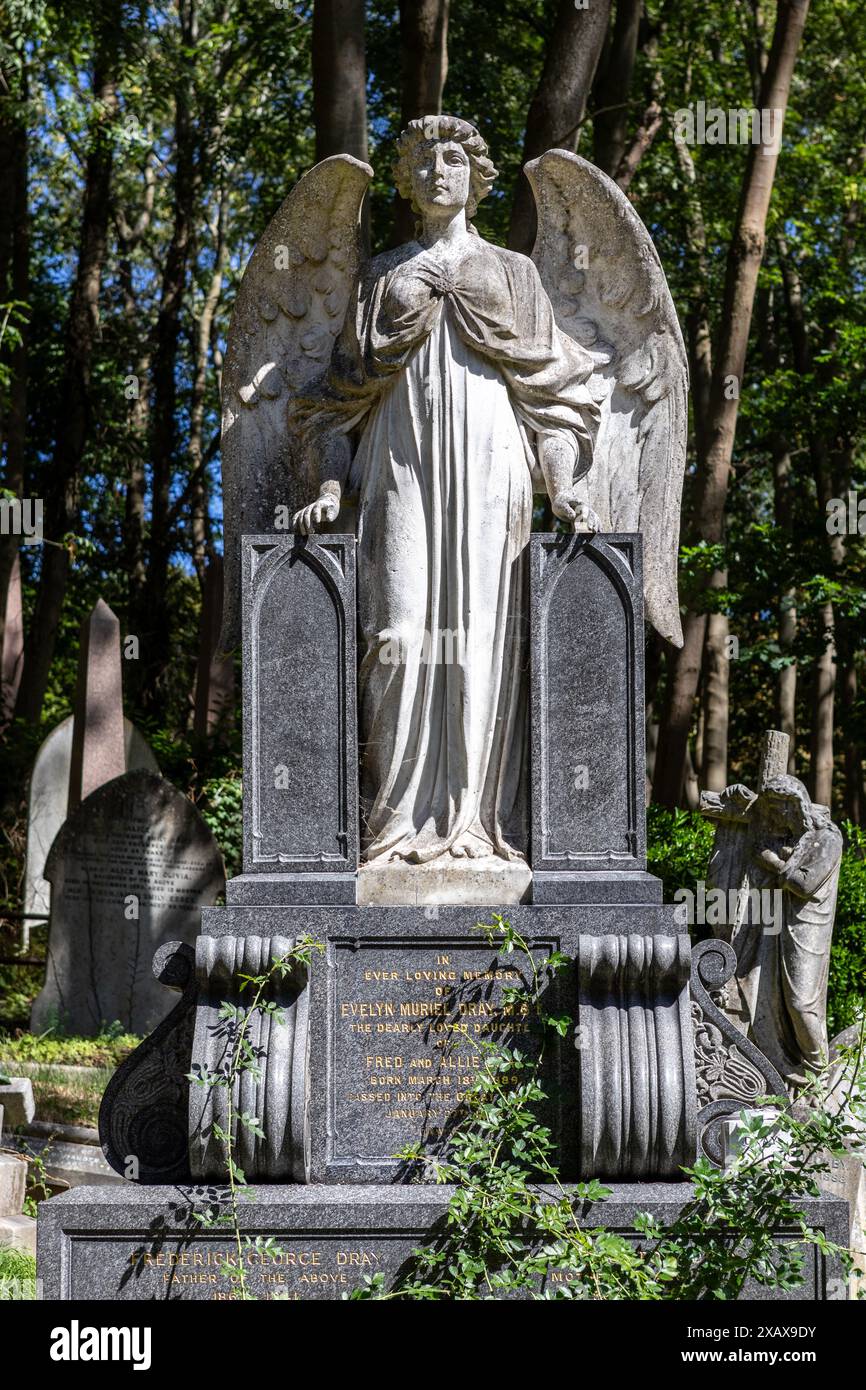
<point x="108" y="1049"/>
<point x="847" y="988"/>
<point x="17" y="1274"/>
<point x="678" y="848"/>
<point x="220" y="804"/>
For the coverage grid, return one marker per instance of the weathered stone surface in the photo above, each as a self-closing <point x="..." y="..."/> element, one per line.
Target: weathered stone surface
<point x="130" y="870"/>
<point x="480" y="882"/>
<point x="48" y="797"/>
<point x="587" y="706"/>
<point x="80" y="1165"/>
<point x="19" y="1232"/>
<point x="300" y="740"/>
<point x="731" y="1074"/>
<point x="98" y="753"/>
<point x="13" y="1184"/>
<point x="776" y="856"/>
<point x="16" y="1097"/>
<point x="145" y="1243"/>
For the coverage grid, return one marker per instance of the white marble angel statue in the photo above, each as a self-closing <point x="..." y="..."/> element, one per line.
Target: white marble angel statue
<point x="441" y="384"/>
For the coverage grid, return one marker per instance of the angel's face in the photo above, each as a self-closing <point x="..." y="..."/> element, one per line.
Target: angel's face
<point x="440" y="177"/>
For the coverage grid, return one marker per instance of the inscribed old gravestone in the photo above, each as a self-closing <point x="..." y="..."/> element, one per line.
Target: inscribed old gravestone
<point x="47" y="802"/>
<point x="129" y="870"/>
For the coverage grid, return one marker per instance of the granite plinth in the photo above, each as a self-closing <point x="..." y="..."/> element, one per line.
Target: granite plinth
<point x="109" y="1244"/>
<point x="289" y="890"/>
<point x="595" y="886"/>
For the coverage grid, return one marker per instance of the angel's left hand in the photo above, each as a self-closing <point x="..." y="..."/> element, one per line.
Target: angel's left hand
<point x="568" y="507"/>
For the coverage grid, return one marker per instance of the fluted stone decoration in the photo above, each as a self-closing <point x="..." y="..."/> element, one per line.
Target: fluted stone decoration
<point x="277" y="1091"/>
<point x="637" y="1073"/>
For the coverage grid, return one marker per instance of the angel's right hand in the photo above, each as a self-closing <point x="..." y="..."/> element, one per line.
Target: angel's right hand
<point x="326" y="508"/>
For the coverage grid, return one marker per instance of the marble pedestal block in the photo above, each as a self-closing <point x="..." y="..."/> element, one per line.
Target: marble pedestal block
<point x="144" y="1243"/>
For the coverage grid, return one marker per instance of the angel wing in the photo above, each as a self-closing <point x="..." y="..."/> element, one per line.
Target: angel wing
<point x="290" y="307"/>
<point x="609" y="292"/>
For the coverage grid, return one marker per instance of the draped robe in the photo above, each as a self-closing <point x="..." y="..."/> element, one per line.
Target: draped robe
<point x="447" y="375"/>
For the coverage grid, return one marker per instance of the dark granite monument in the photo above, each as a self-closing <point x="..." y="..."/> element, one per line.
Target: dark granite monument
<point x="498" y="771"/>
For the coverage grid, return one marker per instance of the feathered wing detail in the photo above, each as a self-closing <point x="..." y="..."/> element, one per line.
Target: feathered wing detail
<point x="290" y="307"/>
<point x="609" y="292"/>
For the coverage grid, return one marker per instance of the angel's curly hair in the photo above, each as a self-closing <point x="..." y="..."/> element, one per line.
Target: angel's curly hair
<point x="429" y="129"/>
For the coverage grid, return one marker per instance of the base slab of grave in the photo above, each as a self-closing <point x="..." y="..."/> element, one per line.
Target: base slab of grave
<point x="144" y="1242"/>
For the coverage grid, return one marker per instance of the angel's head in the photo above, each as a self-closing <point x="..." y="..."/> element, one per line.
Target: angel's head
<point x="787" y="807"/>
<point x="442" y="164"/>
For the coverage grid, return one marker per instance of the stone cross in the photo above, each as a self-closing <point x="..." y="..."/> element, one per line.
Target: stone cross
<point x="98" y="753"/>
<point x="774" y="757"/>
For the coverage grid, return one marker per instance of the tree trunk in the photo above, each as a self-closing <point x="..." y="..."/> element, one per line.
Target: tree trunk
<point x="339" y="78"/>
<point x="824" y="689"/>
<point x="714" y="463"/>
<point x="197" y="462"/>
<point x="783" y="515"/>
<point x="717" y="669"/>
<point x="138" y="416"/>
<point x="151" y="621"/>
<point x="787" y="684"/>
<point x="612" y="87"/>
<point x="559" y="103"/>
<point x="14" y="285"/>
<point x="73" y="413"/>
<point x="424" y="62"/>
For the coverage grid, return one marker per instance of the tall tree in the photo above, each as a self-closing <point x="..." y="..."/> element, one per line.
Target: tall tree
<point x="745" y="254"/>
<point x="73" y="415"/>
<point x="339" y="78"/>
<point x="612" y="88"/>
<point x="558" y="106"/>
<point x="424" y="67"/>
<point x="14" y="290"/>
